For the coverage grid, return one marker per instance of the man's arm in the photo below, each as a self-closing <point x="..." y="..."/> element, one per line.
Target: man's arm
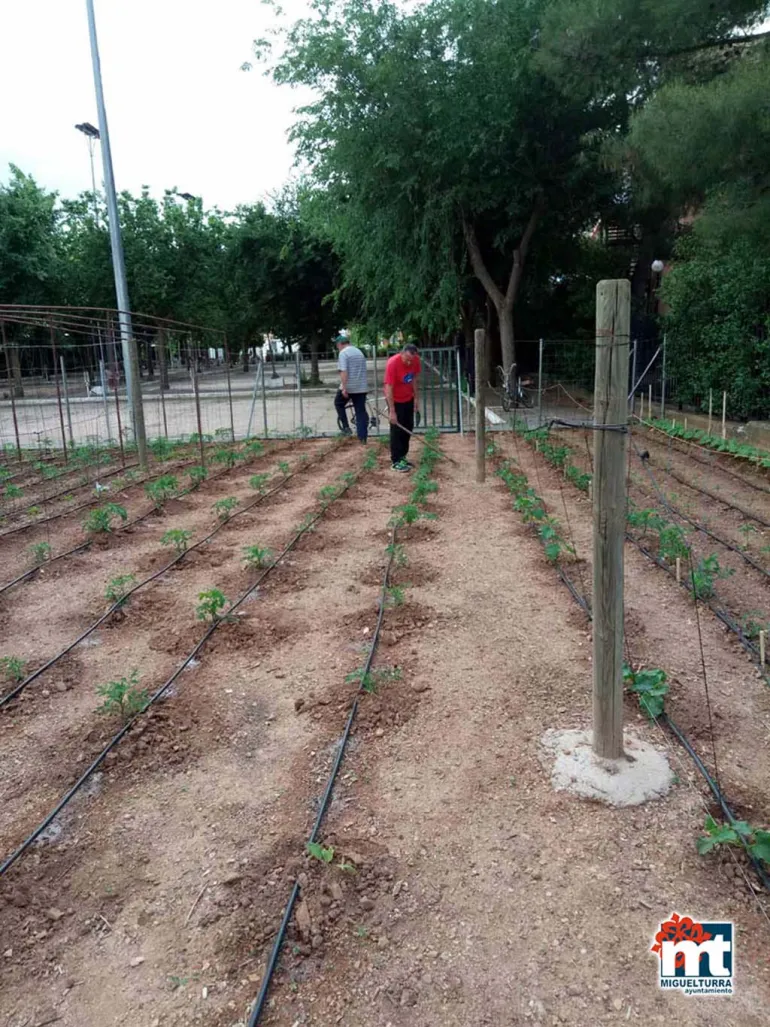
<point x="391" y="404"/>
<point x="344" y="380"/>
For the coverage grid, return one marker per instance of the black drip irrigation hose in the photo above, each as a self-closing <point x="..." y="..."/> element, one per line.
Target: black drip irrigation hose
<point x="120" y="530"/>
<point x="272" y="962"/>
<point x="669" y="506"/>
<point x="4" y="700"/>
<point x="160" y="692"/>
<point x="704" y="463"/>
<point x="665" y="720"/>
<point x="719" y="612"/>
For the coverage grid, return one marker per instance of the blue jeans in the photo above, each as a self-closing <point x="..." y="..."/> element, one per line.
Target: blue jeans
<point x="358" y="399"/>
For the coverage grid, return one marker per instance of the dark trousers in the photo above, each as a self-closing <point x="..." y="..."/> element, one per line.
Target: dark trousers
<point x="359" y="405"/>
<point x="399" y="440"/>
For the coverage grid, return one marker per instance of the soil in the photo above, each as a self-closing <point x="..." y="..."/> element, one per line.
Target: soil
<point x="470" y="893"/>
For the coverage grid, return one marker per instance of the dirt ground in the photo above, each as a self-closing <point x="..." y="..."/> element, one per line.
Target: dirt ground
<point x="477" y="895"/>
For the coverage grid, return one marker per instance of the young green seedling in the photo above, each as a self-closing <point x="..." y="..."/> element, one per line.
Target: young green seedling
<point x="223" y="508"/>
<point x="40" y="552"/>
<point x="255" y="557"/>
<point x="12" y="668"/>
<point x="123" y="697"/>
<point x="322" y="853"/>
<point x="118" y="588"/>
<point x="198" y="475"/>
<point x="161" y="490"/>
<point x="211" y="605"/>
<point x="259" y="483"/>
<point x="651" y="686"/>
<point x="176" y="537"/>
<point x="100" y="519"/>
<point x="395" y="596"/>
<point x="739" y="832"/>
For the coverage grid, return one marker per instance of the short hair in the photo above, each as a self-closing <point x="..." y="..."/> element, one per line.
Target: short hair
<point x="410" y="348"/>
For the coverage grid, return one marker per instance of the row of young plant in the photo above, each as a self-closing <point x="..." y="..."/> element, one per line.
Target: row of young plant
<point x="121" y="586"/>
<point x="532" y="507"/>
<point x="650" y="685"/>
<point x="126" y="699"/>
<point x="164" y="452"/>
<point x="741" y="450"/>
<point x="103" y="519"/>
<point x="368" y="681"/>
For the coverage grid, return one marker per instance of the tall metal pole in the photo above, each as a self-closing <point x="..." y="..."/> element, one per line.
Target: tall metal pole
<point x="130" y="354"/>
<point x="91" y="145"/>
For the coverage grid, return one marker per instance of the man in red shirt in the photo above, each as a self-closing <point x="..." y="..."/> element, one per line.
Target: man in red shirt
<point x="400" y="391"/>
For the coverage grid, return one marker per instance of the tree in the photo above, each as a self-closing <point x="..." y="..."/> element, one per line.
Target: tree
<point x="28" y="253"/>
<point x="442" y="147"/>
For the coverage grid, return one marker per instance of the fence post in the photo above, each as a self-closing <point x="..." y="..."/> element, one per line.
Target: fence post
<point x="633" y="378"/>
<point x="724" y="415"/>
<point x="103" y="380"/>
<point x="711" y="408"/>
<point x="376" y="384"/>
<point x="117" y="415"/>
<point x="613" y="305"/>
<point x="479" y="346"/>
<point x="58" y="394"/>
<point x="229" y="389"/>
<point x="67" y="400"/>
<point x="264" y="396"/>
<point x="194" y="373"/>
<point x="540" y="383"/>
<point x="257" y="370"/>
<point x="299" y="393"/>
<point x="649" y="403"/>
<point x="663" y="382"/>
<point x="12" y="390"/>
<point x="459" y="392"/>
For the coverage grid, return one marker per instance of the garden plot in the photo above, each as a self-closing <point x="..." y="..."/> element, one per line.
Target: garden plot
<point x="469" y="892"/>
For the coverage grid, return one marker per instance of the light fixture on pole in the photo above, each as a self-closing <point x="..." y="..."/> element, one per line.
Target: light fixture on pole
<point x="130" y="354"/>
<point x="92" y="135"/>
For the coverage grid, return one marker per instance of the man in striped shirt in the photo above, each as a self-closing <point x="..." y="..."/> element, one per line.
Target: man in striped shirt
<point x="351" y="365"/>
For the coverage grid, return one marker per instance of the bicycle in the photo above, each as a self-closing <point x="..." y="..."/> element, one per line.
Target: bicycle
<point x="514" y="390"/>
<point x="351" y="415"/>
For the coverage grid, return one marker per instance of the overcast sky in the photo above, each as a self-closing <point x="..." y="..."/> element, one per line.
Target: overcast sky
<point x="181" y="112"/>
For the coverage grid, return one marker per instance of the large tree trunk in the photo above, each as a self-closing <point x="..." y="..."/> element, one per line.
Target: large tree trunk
<point x="163" y="361"/>
<point x="504" y="302"/>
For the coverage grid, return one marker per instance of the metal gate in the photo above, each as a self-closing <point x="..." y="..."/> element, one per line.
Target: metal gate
<point x="439" y="389"/>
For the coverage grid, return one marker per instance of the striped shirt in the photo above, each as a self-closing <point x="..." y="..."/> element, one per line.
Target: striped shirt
<point x="352" y="360"/>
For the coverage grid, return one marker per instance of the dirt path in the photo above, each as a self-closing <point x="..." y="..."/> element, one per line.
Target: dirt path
<point x="499" y="901"/>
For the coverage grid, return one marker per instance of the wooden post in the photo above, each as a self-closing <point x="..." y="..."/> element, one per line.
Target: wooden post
<point x="67" y="400"/>
<point x="679" y="570"/>
<point x="649" y="404"/>
<point x="711" y="408"/>
<point x="663" y="383"/>
<point x="540" y="383"/>
<point x="613" y="313"/>
<point x="479" y="344"/>
<point x="230" y="387"/>
<point x="724" y="415"/>
<point x="762" y="647"/>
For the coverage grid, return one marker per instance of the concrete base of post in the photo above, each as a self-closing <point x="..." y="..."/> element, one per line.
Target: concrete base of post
<point x="273" y="383"/>
<point x="642" y="775"/>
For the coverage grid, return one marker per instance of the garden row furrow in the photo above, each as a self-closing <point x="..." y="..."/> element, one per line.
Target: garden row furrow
<point x="132" y="701"/>
<point x="649" y="686"/>
<point x="101" y="517"/>
<point x="662" y="631"/>
<point x="129" y="587"/>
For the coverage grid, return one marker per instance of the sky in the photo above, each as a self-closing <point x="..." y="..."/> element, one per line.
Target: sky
<point x="180" y="111"/>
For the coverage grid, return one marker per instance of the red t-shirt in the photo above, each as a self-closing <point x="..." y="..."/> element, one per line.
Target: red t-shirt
<point x="401" y="377"/>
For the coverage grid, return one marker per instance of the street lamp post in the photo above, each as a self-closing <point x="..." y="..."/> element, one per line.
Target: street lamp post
<point x="128" y="342"/>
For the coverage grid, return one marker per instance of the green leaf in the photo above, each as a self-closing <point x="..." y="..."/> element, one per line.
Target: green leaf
<point x="319" y="852"/>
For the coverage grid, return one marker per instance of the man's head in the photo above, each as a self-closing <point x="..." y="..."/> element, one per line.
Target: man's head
<point x="409" y="353"/>
<point x="342" y="341"/>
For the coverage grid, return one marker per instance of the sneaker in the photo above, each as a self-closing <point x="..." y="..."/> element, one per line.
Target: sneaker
<point x="346" y="432"/>
<point x="402" y="466"/>
<point x="409" y="464"/>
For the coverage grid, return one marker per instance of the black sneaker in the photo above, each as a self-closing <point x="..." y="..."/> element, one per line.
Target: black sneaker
<point x="401" y="466"/>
